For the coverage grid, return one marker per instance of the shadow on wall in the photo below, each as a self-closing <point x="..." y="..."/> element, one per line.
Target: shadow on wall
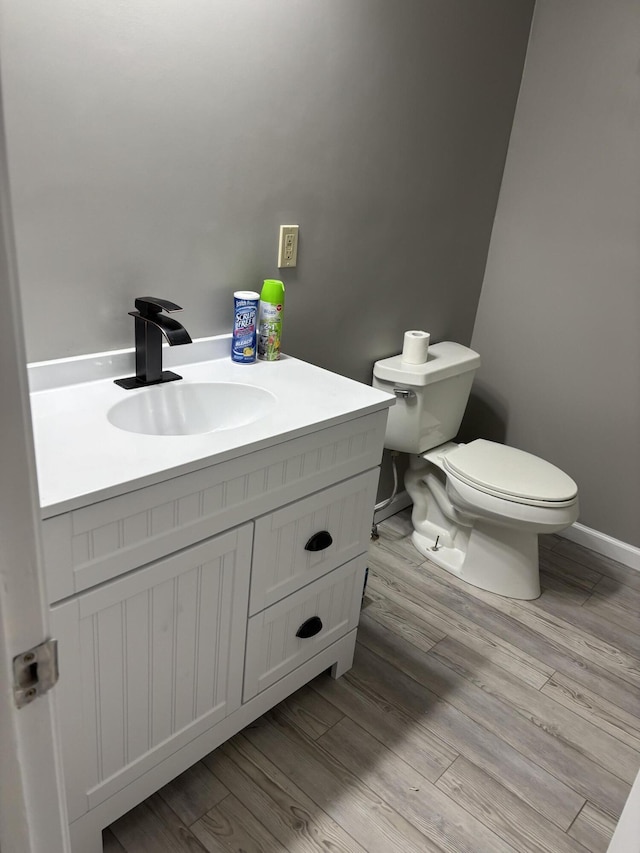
<point x="486" y="416"/>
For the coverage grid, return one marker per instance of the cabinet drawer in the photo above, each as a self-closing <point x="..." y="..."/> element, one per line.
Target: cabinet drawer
<point x="273" y="647"/>
<point x="292" y="548"/>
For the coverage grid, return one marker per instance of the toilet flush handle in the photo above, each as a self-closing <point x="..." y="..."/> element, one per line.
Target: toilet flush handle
<point x="404" y="393"/>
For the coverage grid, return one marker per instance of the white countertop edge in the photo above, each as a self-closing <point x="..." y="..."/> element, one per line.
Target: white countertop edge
<point x="67" y="430"/>
<point x="164" y="474"/>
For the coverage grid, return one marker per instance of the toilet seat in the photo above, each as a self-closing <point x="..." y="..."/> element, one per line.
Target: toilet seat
<point x="510" y="474"/>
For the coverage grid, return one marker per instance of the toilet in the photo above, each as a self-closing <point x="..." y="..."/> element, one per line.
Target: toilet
<point x="478" y="507"/>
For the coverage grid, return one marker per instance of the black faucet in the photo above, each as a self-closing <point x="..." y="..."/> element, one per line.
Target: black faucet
<point x="150" y="325"/>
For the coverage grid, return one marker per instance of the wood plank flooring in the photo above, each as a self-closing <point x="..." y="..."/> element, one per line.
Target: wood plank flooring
<point x="470" y="723"/>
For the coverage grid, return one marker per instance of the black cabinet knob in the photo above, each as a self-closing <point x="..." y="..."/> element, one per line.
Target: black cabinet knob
<point x="310" y="628"/>
<point x="319" y="541"/>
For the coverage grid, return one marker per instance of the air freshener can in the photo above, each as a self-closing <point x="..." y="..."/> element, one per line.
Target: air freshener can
<point x="270" y="320"/>
<point x="245" y="322"/>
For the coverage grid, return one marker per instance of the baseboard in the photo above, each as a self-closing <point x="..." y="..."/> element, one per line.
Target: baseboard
<point x="603" y="544"/>
<point x="400" y="502"/>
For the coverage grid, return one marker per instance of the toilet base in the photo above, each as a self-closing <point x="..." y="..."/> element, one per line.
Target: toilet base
<point x="498" y="559"/>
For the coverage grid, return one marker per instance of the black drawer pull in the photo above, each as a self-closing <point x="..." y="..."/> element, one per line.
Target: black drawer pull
<point x="310" y="628"/>
<point x="319" y="541"/>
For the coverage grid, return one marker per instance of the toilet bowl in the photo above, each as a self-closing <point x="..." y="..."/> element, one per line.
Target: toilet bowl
<point x="485" y="529"/>
<point x="478" y="508"/>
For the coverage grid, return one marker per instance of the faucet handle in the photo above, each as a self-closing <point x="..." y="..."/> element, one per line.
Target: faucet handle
<point x="150" y="305"/>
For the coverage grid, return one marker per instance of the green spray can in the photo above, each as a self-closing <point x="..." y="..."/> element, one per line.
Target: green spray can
<point x="270" y="319"/>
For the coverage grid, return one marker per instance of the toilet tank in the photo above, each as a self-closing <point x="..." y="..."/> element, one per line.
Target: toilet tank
<point x="440" y="388"/>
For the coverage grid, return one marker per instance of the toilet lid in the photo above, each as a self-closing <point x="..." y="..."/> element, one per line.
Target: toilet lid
<point x="510" y="473"/>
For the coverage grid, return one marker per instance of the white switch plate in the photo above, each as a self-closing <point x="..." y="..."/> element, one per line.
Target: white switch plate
<point x="288" y="246"/>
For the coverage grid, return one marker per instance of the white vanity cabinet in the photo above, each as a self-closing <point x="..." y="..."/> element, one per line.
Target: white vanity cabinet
<point x="187" y="608"/>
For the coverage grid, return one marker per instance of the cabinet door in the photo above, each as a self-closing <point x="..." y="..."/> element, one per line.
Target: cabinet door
<point x="291" y="545"/>
<point x="150" y="661"/>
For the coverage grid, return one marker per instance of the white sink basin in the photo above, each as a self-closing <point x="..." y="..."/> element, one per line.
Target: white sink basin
<point x="191" y="408"/>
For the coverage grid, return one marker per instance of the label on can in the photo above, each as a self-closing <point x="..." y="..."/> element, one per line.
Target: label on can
<point x="269" y="331"/>
<point x="243" y="341"/>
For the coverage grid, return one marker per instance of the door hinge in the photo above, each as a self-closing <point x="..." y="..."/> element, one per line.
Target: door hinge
<point x="34" y="672"/>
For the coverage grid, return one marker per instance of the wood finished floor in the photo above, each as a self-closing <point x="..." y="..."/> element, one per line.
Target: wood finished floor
<point x="469" y="722"/>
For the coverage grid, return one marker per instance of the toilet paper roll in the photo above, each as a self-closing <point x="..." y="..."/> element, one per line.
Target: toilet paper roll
<point x="416" y="346"/>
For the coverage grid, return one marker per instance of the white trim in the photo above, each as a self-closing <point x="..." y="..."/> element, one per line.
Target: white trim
<point x="603" y="544"/>
<point x="626" y="838"/>
<point x="400" y="502"/>
<point x="32" y="807"/>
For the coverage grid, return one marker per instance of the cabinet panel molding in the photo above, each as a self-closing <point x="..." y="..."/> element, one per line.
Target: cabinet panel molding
<point x="93" y="544"/>
<point x="160" y="660"/>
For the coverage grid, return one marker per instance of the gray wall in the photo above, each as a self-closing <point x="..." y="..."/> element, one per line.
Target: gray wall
<point x="155" y="146"/>
<point x="559" y="315"/>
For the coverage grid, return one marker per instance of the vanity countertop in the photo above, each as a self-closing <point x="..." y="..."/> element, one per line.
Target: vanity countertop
<point x="82" y="458"/>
